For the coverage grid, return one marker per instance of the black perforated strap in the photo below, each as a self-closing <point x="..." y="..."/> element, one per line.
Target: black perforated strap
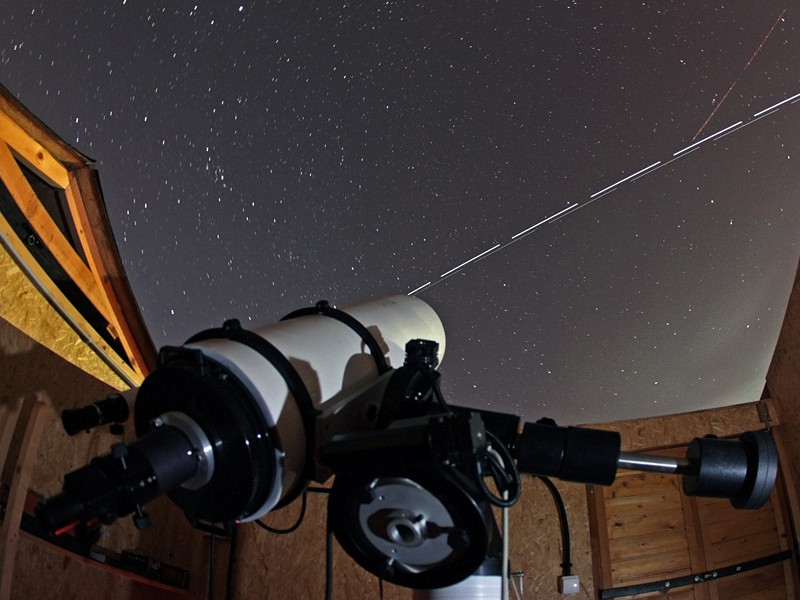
<point x="668" y="584"/>
<point x="232" y="330"/>
<point x="323" y="308"/>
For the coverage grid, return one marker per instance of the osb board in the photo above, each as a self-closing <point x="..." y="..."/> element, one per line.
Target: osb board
<point x="22" y="305"/>
<point x="41" y="573"/>
<point x="28" y="370"/>
<point x="680" y="429"/>
<point x="293" y="566"/>
<point x="535" y="541"/>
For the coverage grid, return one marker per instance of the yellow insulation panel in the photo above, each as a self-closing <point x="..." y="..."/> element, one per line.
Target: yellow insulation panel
<point x="23" y="306"/>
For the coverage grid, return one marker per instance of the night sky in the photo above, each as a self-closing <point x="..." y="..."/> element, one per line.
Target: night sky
<point x="256" y="158"/>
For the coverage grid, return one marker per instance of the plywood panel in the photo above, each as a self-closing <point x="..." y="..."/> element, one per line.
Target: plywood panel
<point x="42" y="573"/>
<point x="647" y="545"/>
<point x="650" y="568"/>
<point x="752" y="583"/>
<point x="646" y="524"/>
<point x="684" y="593"/>
<point x="625" y="506"/>
<point x="771" y="593"/>
<point x="22" y="306"/>
<point x="273" y="566"/>
<point x="640" y="484"/>
<point x="716" y="510"/>
<point x="743" y="548"/>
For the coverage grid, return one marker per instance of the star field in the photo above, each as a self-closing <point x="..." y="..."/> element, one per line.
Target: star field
<point x="258" y="157"/>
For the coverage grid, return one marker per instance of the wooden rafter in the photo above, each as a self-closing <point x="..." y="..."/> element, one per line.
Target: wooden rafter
<point x="9" y="532"/>
<point x="94" y="251"/>
<point x="98" y="272"/>
<point x="32" y="153"/>
<point x="49" y="233"/>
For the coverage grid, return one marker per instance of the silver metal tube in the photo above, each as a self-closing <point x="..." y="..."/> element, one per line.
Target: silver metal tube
<point x="653" y="462"/>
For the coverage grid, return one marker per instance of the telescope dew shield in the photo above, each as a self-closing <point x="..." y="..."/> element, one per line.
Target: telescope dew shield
<point x="569" y="453"/>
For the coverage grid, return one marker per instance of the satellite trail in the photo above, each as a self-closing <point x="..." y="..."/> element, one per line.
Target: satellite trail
<point x="576" y="206"/>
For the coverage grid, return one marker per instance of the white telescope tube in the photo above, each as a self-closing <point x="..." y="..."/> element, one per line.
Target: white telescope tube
<point x="331" y="359"/>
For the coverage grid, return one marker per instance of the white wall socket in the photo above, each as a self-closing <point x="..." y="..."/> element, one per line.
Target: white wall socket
<point x="569" y="584"/>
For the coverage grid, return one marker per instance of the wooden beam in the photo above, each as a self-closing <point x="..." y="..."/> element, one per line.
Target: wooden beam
<point x="9" y="533"/>
<point x="32" y="153"/>
<point x="99" y="255"/>
<point x="786" y="531"/>
<point x="48" y="231"/>
<point x="9" y="414"/>
<point x="598" y="537"/>
<point x="65" y="154"/>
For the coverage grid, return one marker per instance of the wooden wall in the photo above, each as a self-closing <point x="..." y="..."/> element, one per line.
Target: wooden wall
<point x="270" y="566"/>
<point x="647" y="530"/>
<point x="783" y="383"/>
<point x="283" y="566"/>
<point x="31" y="373"/>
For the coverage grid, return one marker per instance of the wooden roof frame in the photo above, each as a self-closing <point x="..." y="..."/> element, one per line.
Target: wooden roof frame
<point x="102" y="278"/>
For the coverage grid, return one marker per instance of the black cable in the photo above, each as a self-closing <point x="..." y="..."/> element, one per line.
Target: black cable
<point x="566" y="565"/>
<point x="291" y="529"/>
<point x="329" y="560"/>
<point x="231" y="561"/>
<point x="506" y="476"/>
<point x="212" y="558"/>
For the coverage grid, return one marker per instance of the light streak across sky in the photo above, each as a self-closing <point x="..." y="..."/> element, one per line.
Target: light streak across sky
<point x="781" y="103"/>
<point x="542" y="222"/>
<point x="640" y="172"/>
<point x="473" y="259"/>
<point x="706" y="139"/>
<point x="735" y="81"/>
<point x="575" y="206"/>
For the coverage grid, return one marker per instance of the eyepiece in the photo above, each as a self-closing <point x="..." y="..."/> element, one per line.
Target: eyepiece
<point x="114" y="409"/>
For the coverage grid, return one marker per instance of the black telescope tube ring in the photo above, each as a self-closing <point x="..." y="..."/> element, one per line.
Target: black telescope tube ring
<point x="232" y="330"/>
<point x="323" y="308"/>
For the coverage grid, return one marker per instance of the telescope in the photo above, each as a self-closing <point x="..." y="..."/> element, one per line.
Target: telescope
<point x="236" y="423"/>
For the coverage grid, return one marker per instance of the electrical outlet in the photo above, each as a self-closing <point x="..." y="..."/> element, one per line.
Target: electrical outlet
<point x="569" y="584"/>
